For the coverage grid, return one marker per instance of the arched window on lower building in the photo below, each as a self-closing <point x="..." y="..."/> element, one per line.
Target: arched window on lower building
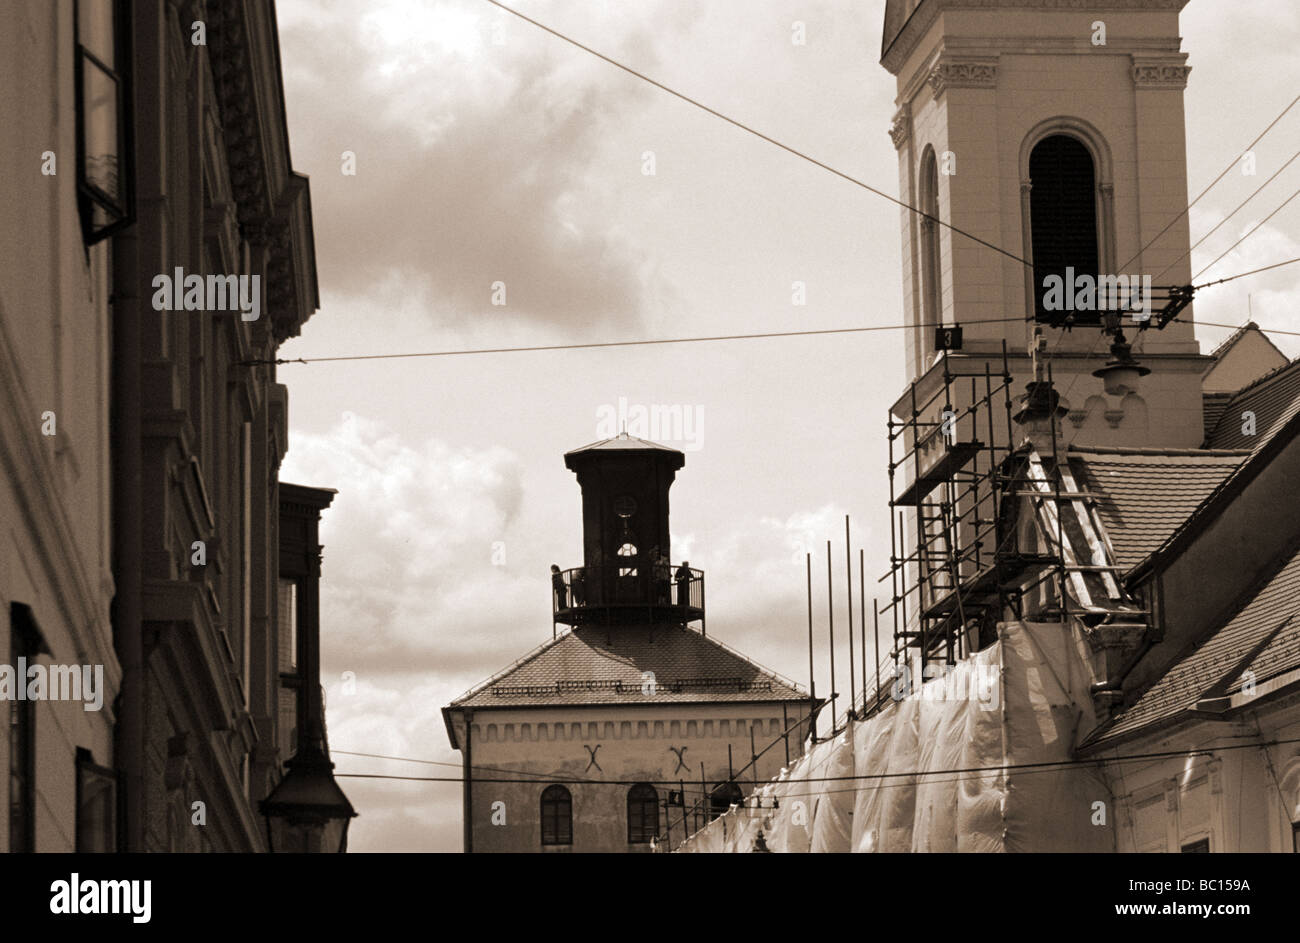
<point x="642" y="814"/>
<point x="557" y="816"/>
<point x="1063" y="226"/>
<point x="723" y="797"/>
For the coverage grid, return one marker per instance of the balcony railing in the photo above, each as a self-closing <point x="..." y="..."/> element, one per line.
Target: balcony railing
<point x="617" y="593"/>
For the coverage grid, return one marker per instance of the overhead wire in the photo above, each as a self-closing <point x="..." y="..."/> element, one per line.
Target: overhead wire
<point x="1234" y="212"/>
<point x="1211" y="185"/>
<point x="858" y="777"/>
<point x="759" y="134"/>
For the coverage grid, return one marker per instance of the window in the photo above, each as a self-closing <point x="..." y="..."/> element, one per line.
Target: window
<point x="288" y="619"/>
<point x="1063" y="223"/>
<point x="96" y="805"/>
<point x="103" y="140"/>
<point x="290" y="680"/>
<point x="627" y="553"/>
<point x="557" y="816"/>
<point x="931" y="288"/>
<point x="723" y="797"/>
<point x="1201" y="847"/>
<point x="642" y="814"/>
<point x="25" y="643"/>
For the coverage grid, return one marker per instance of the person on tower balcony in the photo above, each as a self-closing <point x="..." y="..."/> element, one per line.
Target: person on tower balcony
<point x="683" y="578"/>
<point x="662" y="569"/>
<point x="557" y="585"/>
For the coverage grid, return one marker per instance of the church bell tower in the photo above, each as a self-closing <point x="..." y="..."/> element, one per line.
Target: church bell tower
<point x="1054" y="130"/>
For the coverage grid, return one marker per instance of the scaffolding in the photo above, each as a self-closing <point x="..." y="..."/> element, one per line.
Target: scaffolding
<point x="972" y="555"/>
<point x="948" y="574"/>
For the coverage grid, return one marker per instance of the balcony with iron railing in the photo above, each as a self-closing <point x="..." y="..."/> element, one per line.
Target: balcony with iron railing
<point x="599" y="595"/>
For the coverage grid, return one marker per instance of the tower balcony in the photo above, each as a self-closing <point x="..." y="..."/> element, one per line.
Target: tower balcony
<point x="601" y="595"/>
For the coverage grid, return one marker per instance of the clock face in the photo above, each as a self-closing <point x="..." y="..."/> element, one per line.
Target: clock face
<point x="625" y="506"/>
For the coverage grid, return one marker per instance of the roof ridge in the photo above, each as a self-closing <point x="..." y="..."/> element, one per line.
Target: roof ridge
<point x="1146" y="450"/>
<point x="519" y="662"/>
<point x="1231" y="339"/>
<point x="1248" y="466"/>
<point x="1231" y="612"/>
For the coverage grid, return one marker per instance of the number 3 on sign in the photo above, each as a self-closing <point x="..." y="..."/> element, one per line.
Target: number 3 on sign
<point x="947" y="338"/>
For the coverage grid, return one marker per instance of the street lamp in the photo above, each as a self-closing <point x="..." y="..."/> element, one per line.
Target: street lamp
<point x="307" y="811"/>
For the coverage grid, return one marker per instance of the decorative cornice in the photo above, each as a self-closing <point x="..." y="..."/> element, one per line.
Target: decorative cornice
<point x="963" y="73"/>
<point x="1163" y="72"/>
<point x="899" y="47"/>
<point x="900" y="129"/>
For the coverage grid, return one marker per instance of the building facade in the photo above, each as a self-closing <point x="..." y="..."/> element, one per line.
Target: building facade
<point x="56" y="562"/>
<point x="632" y="728"/>
<point x="158" y="250"/>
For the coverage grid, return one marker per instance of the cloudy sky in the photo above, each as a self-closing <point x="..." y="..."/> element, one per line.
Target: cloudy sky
<point x="488" y="151"/>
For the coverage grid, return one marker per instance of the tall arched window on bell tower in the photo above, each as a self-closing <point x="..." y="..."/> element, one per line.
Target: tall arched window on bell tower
<point x="931" y="288"/>
<point x="1063" y="222"/>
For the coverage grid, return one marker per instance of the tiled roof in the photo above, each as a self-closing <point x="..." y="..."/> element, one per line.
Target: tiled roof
<point x="592" y="665"/>
<point x="1212" y="407"/>
<point x="1274" y="398"/>
<point x="1215" y="666"/>
<point x="1143" y="495"/>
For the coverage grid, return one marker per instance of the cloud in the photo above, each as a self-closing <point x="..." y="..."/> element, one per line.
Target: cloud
<point x="410" y="544"/>
<point x="476" y="162"/>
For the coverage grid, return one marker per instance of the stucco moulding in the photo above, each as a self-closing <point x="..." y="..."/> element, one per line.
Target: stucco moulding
<point x="958" y="73"/>
<point x="1160" y="74"/>
<point x="900" y="129"/>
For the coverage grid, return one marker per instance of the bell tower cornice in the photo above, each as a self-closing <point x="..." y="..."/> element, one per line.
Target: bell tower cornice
<point x="908" y="21"/>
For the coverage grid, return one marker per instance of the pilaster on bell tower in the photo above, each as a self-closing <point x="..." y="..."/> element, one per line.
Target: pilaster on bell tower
<point x="627" y="576"/>
<point x="1053" y="130"/>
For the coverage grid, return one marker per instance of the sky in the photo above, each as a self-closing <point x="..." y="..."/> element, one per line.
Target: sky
<point x="494" y="162"/>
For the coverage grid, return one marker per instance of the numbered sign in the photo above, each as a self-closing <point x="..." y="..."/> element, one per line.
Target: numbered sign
<point x="947" y="338"/>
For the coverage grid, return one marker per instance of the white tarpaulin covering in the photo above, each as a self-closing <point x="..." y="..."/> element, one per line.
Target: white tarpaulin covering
<point x="953" y="722"/>
<point x="832" y="798"/>
<point x="944" y="768"/>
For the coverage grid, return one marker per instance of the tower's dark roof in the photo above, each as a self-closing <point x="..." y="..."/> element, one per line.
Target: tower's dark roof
<point x="622" y="443"/>
<point x="591" y="665"/>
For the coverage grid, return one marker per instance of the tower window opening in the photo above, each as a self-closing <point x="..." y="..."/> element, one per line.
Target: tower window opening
<point x="1063" y="228"/>
<point x="627" y="554"/>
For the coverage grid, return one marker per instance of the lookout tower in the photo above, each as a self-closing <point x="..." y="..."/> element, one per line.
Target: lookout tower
<point x="627" y="575"/>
